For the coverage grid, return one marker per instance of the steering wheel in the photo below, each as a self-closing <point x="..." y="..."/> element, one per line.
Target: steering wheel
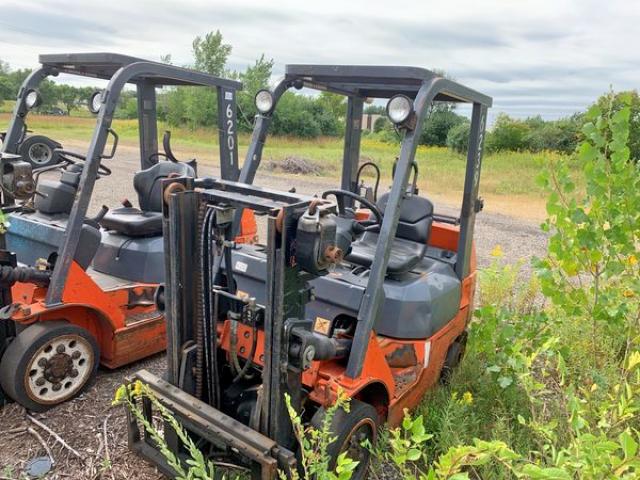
<point x="339" y="194"/>
<point x="72" y="158"/>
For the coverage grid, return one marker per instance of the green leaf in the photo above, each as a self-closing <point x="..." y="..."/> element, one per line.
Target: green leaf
<point x="414" y="455"/>
<point x="629" y="445"/>
<point x="535" y="472"/>
<point x="504" y="382"/>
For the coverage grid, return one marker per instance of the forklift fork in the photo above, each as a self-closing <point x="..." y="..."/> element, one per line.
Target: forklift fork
<point x="210" y="424"/>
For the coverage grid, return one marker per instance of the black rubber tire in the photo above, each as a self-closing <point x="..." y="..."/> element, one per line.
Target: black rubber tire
<point x="343" y="426"/>
<point x="19" y="353"/>
<point x="455" y="354"/>
<point x="46" y="144"/>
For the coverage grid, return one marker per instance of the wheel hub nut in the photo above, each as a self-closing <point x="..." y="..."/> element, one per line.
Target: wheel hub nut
<point x="58" y="367"/>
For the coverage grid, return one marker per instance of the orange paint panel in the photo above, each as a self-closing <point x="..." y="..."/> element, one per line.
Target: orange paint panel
<point x="445" y="236"/>
<point x="248" y="228"/>
<point x="439" y="346"/>
<point x="81" y="289"/>
<point x="102" y="313"/>
<point x="137" y="341"/>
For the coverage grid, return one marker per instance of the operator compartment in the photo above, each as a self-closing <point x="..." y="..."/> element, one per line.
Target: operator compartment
<point x="37" y="232"/>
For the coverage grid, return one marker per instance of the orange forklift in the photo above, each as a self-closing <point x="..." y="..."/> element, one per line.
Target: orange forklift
<point x="78" y="291"/>
<point x="357" y="293"/>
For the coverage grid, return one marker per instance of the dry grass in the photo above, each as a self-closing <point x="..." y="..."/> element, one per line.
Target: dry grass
<point x="508" y="178"/>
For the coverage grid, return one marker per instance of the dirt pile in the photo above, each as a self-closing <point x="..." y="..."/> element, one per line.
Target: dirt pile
<point x="295" y="165"/>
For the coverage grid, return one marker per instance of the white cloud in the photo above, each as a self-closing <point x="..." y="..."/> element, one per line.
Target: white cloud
<point x="548" y="57"/>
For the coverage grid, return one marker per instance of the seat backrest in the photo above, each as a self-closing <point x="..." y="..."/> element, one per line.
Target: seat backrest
<point x="416" y="217"/>
<point x="148" y="183"/>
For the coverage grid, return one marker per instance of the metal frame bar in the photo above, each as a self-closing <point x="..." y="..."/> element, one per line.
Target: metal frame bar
<point x="227" y="133"/>
<point x="370" y="307"/>
<point x="147" y="124"/>
<point x="179" y="225"/>
<point x="351" y="153"/>
<point x="470" y="202"/>
<point x="259" y="135"/>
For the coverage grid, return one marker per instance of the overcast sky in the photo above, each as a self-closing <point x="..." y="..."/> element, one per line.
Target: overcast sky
<point x="547" y="57"/>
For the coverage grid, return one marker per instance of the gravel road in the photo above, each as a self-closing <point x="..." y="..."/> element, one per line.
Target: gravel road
<point x="81" y="422"/>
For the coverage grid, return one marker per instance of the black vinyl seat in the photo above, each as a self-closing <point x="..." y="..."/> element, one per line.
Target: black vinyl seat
<point x="146" y="221"/>
<point x="133" y="222"/>
<point x="412" y="236"/>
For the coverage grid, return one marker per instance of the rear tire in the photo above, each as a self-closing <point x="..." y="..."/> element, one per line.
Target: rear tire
<point x="49" y="363"/>
<point x="39" y="151"/>
<point x="455" y="354"/>
<point x="351" y="430"/>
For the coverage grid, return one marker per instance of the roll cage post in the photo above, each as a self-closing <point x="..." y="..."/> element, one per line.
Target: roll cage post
<point x="17" y="124"/>
<point x="351" y="152"/>
<point x="432" y="88"/>
<point x="147" y="124"/>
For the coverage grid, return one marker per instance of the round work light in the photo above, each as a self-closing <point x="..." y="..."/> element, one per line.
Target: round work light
<point x="399" y="109"/>
<point x="95" y="101"/>
<point x="32" y="99"/>
<point x="264" y="101"/>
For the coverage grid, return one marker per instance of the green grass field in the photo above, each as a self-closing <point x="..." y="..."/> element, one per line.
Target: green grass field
<point x="508" y="179"/>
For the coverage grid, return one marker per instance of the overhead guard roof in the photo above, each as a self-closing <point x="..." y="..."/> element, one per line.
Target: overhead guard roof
<point x="104" y="65"/>
<point x="379" y="81"/>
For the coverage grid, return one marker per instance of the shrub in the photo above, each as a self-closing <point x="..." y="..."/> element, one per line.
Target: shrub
<point x="438" y="124"/>
<point x="625" y="100"/>
<point x="458" y="137"/>
<point x="380" y="123"/>
<point x="591" y="270"/>
<point x="508" y="134"/>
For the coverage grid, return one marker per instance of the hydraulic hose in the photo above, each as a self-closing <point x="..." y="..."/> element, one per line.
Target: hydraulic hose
<point x="11" y="275"/>
<point x="210" y="311"/>
<point x="254" y="344"/>
<point x="200" y="312"/>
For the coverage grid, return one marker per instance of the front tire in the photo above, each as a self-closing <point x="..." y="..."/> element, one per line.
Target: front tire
<point x="39" y="151"/>
<point x="351" y="430"/>
<point x="49" y="363"/>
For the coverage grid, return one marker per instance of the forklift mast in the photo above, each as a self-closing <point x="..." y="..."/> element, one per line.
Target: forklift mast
<point x="198" y="223"/>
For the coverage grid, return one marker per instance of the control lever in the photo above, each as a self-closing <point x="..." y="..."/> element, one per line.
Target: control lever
<point x="103" y="211"/>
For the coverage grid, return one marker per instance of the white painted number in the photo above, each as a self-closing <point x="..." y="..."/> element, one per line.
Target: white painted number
<point x="231" y="141"/>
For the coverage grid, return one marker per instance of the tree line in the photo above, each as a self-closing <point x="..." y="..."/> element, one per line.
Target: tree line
<point x="313" y="116"/>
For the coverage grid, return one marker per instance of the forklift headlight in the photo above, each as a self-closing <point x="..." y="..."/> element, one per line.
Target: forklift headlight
<point x="264" y="101"/>
<point x="400" y="109"/>
<point x="32" y="99"/>
<point x="95" y="101"/>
